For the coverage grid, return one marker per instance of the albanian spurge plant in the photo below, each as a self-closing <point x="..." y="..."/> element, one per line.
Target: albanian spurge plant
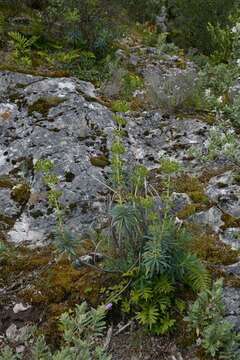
<point x="150" y="249"/>
<point x="64" y="240"/>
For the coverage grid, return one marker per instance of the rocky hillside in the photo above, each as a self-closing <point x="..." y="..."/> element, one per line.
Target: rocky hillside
<point x="71" y="123"/>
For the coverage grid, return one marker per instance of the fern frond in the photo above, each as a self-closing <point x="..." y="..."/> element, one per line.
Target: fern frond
<point x="163" y="286"/>
<point x="20" y="41"/>
<point x="148" y="316"/>
<point x="164" y="303"/>
<point x="164" y="326"/>
<point x="197" y="276"/>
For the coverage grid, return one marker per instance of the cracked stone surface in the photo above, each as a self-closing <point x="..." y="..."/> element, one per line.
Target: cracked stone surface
<point x="231" y="298"/>
<point x="69" y="134"/>
<point x="231" y="236"/>
<point x="225" y="191"/>
<point x="211" y="217"/>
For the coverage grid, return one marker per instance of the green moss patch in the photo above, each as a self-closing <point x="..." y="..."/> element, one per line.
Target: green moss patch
<point x="99" y="161"/>
<point x="210" y="249"/>
<point x="190" y="210"/>
<point x="191" y="186"/>
<point x="21" y="193"/>
<point x="43" y="106"/>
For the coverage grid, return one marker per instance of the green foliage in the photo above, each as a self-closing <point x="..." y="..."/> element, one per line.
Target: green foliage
<point x="165" y="253"/>
<point x="84" y="24"/>
<point x="169" y="166"/>
<point x="222" y="40"/>
<point x="153" y="303"/>
<point x="21" y="48"/>
<point x="164" y="46"/>
<point x="217" y="78"/>
<point x="232" y="112"/>
<point x="191" y="18"/>
<point x="3" y="249"/>
<point x="8" y="354"/>
<point x="131" y="82"/>
<point x="222" y="143"/>
<point x="2" y="26"/>
<point x="81" y="334"/>
<point x="141" y="10"/>
<point x="215" y="334"/>
<point x="117" y="162"/>
<point x="148" y="245"/>
<point x="120" y="106"/>
<point x="51" y="180"/>
<point x="64" y="241"/>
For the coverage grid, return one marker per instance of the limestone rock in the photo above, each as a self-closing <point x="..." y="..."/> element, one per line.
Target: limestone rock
<point x="231" y="298"/>
<point x="211" y="218"/>
<point x="231" y="236"/>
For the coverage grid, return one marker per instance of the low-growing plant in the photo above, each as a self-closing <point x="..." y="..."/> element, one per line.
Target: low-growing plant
<point x="222" y="142"/>
<point x="64" y="240"/>
<point x="131" y="82"/>
<point x="169" y="166"/>
<point x="120" y="106"/>
<point x="215" y="334"/>
<point x="82" y="332"/>
<point x="164" y="46"/>
<point x="232" y="112"/>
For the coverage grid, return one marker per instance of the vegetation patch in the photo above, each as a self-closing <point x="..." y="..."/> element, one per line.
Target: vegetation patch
<point x="99" y="161"/>
<point x="210" y="249"/>
<point x="43" y="106"/>
<point x="191" y="186"/>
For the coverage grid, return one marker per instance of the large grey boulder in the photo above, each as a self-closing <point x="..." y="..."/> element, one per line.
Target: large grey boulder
<point x="50" y="119"/>
<point x="60" y="119"/>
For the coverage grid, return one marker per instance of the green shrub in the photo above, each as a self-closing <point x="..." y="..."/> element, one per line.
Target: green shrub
<point x="142" y="10"/>
<point x="84" y="24"/>
<point x="232" y="112"/>
<point x="131" y="82"/>
<point x="222" y="43"/>
<point x="190" y="20"/>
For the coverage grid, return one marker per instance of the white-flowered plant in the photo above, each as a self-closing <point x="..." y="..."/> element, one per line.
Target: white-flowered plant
<point x="222" y="142"/>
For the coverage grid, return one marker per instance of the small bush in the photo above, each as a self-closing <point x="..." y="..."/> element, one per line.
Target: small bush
<point x="190" y="19"/>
